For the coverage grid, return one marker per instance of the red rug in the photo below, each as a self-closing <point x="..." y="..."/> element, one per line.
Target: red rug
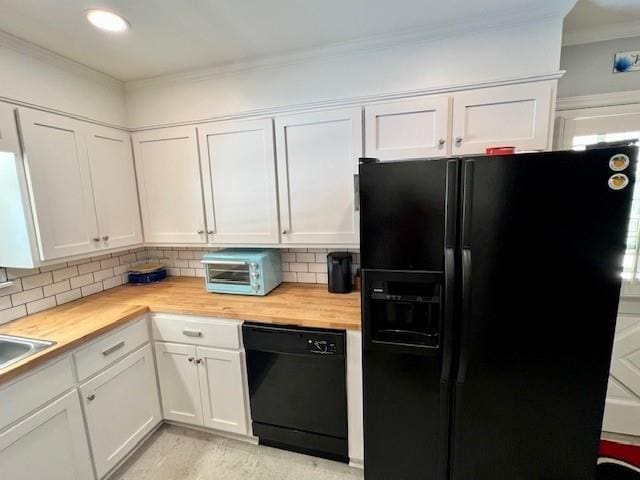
<point x="626" y="453"/>
<point x="618" y="461"/>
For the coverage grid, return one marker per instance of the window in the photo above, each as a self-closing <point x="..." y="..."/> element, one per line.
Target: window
<point x="630" y="264"/>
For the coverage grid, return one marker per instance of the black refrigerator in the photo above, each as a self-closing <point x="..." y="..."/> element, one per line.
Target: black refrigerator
<point x="490" y="290"/>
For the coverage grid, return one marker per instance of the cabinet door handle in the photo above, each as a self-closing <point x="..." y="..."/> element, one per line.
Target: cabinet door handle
<point x="192" y="333"/>
<point x="91" y="397"/>
<point x="190" y="359"/>
<point x="210" y="232"/>
<point x="442" y="141"/>
<point x="96" y="239"/>
<point x="459" y="140"/>
<point x="105" y="238"/>
<point x="284" y="232"/>
<point x="200" y="232"/>
<point x="356" y="192"/>
<point x="199" y="361"/>
<point x="113" y="348"/>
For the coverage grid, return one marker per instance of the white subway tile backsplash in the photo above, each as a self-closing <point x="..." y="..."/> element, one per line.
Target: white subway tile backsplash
<point x="318" y="267"/>
<point x="82" y="280"/>
<point x="65" y="273"/>
<point x="12" y="313"/>
<point x="112" y="282"/>
<point x="39" y="305"/>
<point x="82" y="261"/>
<point x="16" y="287"/>
<point x="5" y="302"/>
<point x="288" y="257"/>
<point x="40" y="288"/>
<point x="26" y="296"/>
<point x="305" y="257"/>
<point x="322" y="278"/>
<point x="34" y="281"/>
<point x="88" y="268"/>
<point x="103" y="274"/>
<point x="13" y="273"/>
<point x="91" y="289"/>
<point x="289" y="277"/>
<point x="304" y="277"/>
<point x="121" y="269"/>
<point x="68" y="296"/>
<point x="109" y="263"/>
<point x="56" y="288"/>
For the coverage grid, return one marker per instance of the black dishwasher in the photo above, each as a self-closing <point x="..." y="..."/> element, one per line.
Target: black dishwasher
<point x="297" y="385"/>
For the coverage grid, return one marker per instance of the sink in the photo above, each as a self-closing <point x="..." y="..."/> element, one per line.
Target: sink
<point x="14" y="349"/>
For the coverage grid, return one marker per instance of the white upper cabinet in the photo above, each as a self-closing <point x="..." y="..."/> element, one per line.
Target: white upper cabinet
<point x="60" y="184"/>
<point x="514" y="115"/>
<point x="317" y="163"/>
<point x="417" y="128"/>
<point x="170" y="188"/>
<point x="114" y="187"/>
<point x="239" y="178"/>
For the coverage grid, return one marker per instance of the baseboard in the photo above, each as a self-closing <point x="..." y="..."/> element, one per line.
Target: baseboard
<point x="233" y="436"/>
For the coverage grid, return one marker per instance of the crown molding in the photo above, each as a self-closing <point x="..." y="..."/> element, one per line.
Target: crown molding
<point x="42" y="108"/>
<point x="360" y="100"/>
<point x="598" y="100"/>
<point x="32" y="50"/>
<point x="613" y="31"/>
<point x="508" y="18"/>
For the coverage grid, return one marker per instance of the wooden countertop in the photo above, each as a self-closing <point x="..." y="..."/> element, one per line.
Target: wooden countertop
<point x="72" y="324"/>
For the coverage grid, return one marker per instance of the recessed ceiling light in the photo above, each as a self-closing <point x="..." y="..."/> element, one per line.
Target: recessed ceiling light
<point x="105" y="20"/>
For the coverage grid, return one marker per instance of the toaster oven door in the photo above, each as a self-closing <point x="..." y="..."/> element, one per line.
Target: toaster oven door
<point x="228" y="272"/>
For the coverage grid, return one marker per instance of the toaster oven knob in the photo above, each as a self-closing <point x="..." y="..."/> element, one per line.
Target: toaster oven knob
<point x="256" y="287"/>
<point x="254" y="265"/>
<point x="255" y="275"/>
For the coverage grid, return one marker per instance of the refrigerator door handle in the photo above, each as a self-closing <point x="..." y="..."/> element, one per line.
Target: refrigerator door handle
<point x="466" y="316"/>
<point x="451" y="205"/>
<point x="468" y="201"/>
<point x="447" y="329"/>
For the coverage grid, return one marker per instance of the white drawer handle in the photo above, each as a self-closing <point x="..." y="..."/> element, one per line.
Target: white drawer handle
<point x="112" y="349"/>
<point x="192" y="333"/>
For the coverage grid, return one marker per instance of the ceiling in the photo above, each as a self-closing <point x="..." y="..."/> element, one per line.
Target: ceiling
<point x="596" y="15"/>
<point x="170" y="36"/>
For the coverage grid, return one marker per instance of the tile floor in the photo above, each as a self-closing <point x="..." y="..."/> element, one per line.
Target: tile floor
<point x="174" y="453"/>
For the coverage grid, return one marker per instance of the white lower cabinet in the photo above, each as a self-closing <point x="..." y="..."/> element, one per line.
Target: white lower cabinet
<point x="121" y="407"/>
<point x="179" y="382"/>
<point x="51" y="444"/>
<point x="203" y="386"/>
<point x="222" y="389"/>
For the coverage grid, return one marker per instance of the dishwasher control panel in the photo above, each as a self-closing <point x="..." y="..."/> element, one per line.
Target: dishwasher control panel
<point x="322" y="347"/>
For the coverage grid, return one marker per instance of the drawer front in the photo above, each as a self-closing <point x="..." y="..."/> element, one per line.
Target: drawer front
<point x="208" y="332"/>
<point x="27" y="394"/>
<point x="107" y="350"/>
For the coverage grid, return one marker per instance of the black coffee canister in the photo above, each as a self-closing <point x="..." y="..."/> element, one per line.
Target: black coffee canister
<point x="339" y="271"/>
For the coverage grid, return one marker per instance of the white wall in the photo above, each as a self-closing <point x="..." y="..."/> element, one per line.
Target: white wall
<point x="31" y="75"/>
<point x="460" y="58"/>
<point x="590" y="68"/>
